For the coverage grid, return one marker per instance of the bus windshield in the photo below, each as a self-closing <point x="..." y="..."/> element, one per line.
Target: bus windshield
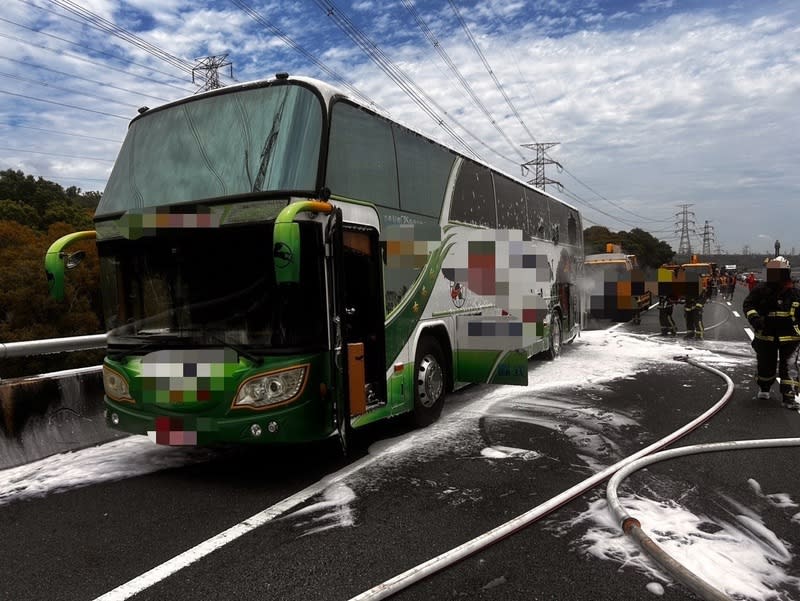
<point x="203" y="287"/>
<point x="245" y="141"/>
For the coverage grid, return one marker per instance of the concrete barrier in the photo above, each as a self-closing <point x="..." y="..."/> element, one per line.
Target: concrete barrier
<point x="51" y="413"/>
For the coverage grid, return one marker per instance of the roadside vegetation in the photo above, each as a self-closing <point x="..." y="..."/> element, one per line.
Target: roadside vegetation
<point x="35" y="212"/>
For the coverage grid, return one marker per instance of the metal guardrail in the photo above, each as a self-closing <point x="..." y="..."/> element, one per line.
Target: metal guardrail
<point x="48" y="346"/>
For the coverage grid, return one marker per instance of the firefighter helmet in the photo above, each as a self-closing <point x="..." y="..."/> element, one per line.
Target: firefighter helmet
<point x="778" y="263"/>
<point x="778" y="270"/>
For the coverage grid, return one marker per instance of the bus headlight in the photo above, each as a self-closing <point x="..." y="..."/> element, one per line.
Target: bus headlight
<point x="270" y="389"/>
<point x="116" y="386"/>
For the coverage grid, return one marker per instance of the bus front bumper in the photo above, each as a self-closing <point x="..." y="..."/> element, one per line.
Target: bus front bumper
<point x="302" y="422"/>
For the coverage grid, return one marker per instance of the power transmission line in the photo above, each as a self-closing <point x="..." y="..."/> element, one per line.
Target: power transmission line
<point x="80" y="58"/>
<point x="90" y="49"/>
<point x="333" y="74"/>
<point x="489" y="69"/>
<point x="53" y="87"/>
<point x="54" y="177"/>
<point x="71" y="106"/>
<point x="55" y="154"/>
<point x="57" y="132"/>
<point x="454" y="69"/>
<point x="98" y="22"/>
<point x="397" y="75"/>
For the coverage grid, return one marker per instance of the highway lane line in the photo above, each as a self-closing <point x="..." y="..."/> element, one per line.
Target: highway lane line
<point x="749" y="333"/>
<point x="190" y="556"/>
<point x="377" y="452"/>
<point x="735" y="313"/>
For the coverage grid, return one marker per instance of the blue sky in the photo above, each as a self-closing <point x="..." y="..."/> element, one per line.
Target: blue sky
<point x="655" y="103"/>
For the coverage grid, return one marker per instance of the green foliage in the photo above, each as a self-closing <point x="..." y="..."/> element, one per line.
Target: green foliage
<point x="33" y="214"/>
<point x="14" y="210"/>
<point x="38" y="203"/>
<point x="649" y="251"/>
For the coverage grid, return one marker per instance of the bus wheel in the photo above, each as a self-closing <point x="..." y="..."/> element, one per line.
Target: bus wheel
<point x="430" y="382"/>
<point x="555" y="336"/>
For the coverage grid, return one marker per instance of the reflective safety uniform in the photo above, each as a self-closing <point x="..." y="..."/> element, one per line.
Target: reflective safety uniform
<point x="773" y="309"/>
<point x="693" y="311"/>
<point x="665" y="306"/>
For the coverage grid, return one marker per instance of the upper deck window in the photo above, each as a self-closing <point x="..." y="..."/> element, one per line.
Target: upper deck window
<point x="424" y="170"/>
<point x="473" y="197"/>
<point x="361" y="157"/>
<point x="232" y="143"/>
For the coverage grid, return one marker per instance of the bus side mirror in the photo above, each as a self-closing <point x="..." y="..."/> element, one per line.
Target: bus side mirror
<point x="286" y="252"/>
<point x="57" y="261"/>
<point x="74" y="259"/>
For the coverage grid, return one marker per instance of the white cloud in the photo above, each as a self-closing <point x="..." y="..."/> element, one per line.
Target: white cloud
<point x="651" y="102"/>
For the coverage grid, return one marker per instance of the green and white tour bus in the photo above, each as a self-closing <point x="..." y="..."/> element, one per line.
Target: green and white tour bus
<point x="280" y="263"/>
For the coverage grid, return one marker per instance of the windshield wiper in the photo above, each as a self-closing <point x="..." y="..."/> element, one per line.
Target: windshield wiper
<point x="269" y="146"/>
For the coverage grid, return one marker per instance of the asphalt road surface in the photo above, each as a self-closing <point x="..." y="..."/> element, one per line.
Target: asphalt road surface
<point x="338" y="528"/>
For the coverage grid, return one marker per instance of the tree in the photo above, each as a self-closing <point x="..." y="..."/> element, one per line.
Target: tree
<point x="596" y="237"/>
<point x="39" y="203"/>
<point x="649" y="251"/>
<point x="33" y="214"/>
<point x="14" y="210"/>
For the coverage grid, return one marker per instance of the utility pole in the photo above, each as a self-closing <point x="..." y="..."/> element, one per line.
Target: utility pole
<point x="211" y="66"/>
<point x="685" y="225"/>
<point x="708" y="238"/>
<point x="539" y="179"/>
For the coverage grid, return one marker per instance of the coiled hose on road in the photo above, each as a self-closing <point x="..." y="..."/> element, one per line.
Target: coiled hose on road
<point x="448" y="558"/>
<point x="633" y="528"/>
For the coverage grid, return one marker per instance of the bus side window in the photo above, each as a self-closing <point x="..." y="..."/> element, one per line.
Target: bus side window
<point x="473" y="196"/>
<point x="362" y="162"/>
<point x="538" y="224"/>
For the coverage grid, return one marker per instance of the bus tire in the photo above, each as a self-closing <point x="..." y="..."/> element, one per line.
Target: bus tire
<point x="556" y="336"/>
<point x="430" y="382"/>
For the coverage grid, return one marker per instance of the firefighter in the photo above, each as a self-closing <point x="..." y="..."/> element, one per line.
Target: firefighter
<point x="693" y="311"/>
<point x="665" y="306"/>
<point x="773" y="310"/>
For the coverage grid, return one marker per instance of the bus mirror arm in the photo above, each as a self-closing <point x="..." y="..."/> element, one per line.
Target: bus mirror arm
<point x="57" y="261"/>
<point x="286" y="239"/>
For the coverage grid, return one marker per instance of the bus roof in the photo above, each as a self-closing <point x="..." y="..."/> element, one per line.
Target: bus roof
<point x="328" y="93"/>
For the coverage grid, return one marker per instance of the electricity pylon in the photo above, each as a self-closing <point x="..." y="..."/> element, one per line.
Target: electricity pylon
<point x="211" y="65"/>
<point x="684" y="224"/>
<point x="540" y="180"/>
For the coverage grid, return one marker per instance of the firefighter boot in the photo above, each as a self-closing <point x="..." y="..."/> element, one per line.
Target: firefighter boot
<point x="791" y="402"/>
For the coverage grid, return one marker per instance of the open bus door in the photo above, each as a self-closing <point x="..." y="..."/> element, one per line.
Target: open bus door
<point x="358" y="315"/>
<point x="340" y="367"/>
<point x="353" y="264"/>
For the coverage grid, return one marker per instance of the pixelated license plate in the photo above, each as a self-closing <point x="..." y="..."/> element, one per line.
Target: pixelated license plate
<point x="171" y="431"/>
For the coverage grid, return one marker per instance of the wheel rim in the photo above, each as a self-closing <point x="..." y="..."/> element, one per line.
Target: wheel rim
<point x="430" y="381"/>
<point x="555" y="334"/>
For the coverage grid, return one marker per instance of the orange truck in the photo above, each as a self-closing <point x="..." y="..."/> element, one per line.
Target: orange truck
<point x="614" y="286"/>
<point x="686" y="280"/>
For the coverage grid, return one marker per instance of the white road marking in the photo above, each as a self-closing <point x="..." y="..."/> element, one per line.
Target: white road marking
<point x="749" y="333"/>
<point x="735" y="313"/>
<point x="188" y="557"/>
